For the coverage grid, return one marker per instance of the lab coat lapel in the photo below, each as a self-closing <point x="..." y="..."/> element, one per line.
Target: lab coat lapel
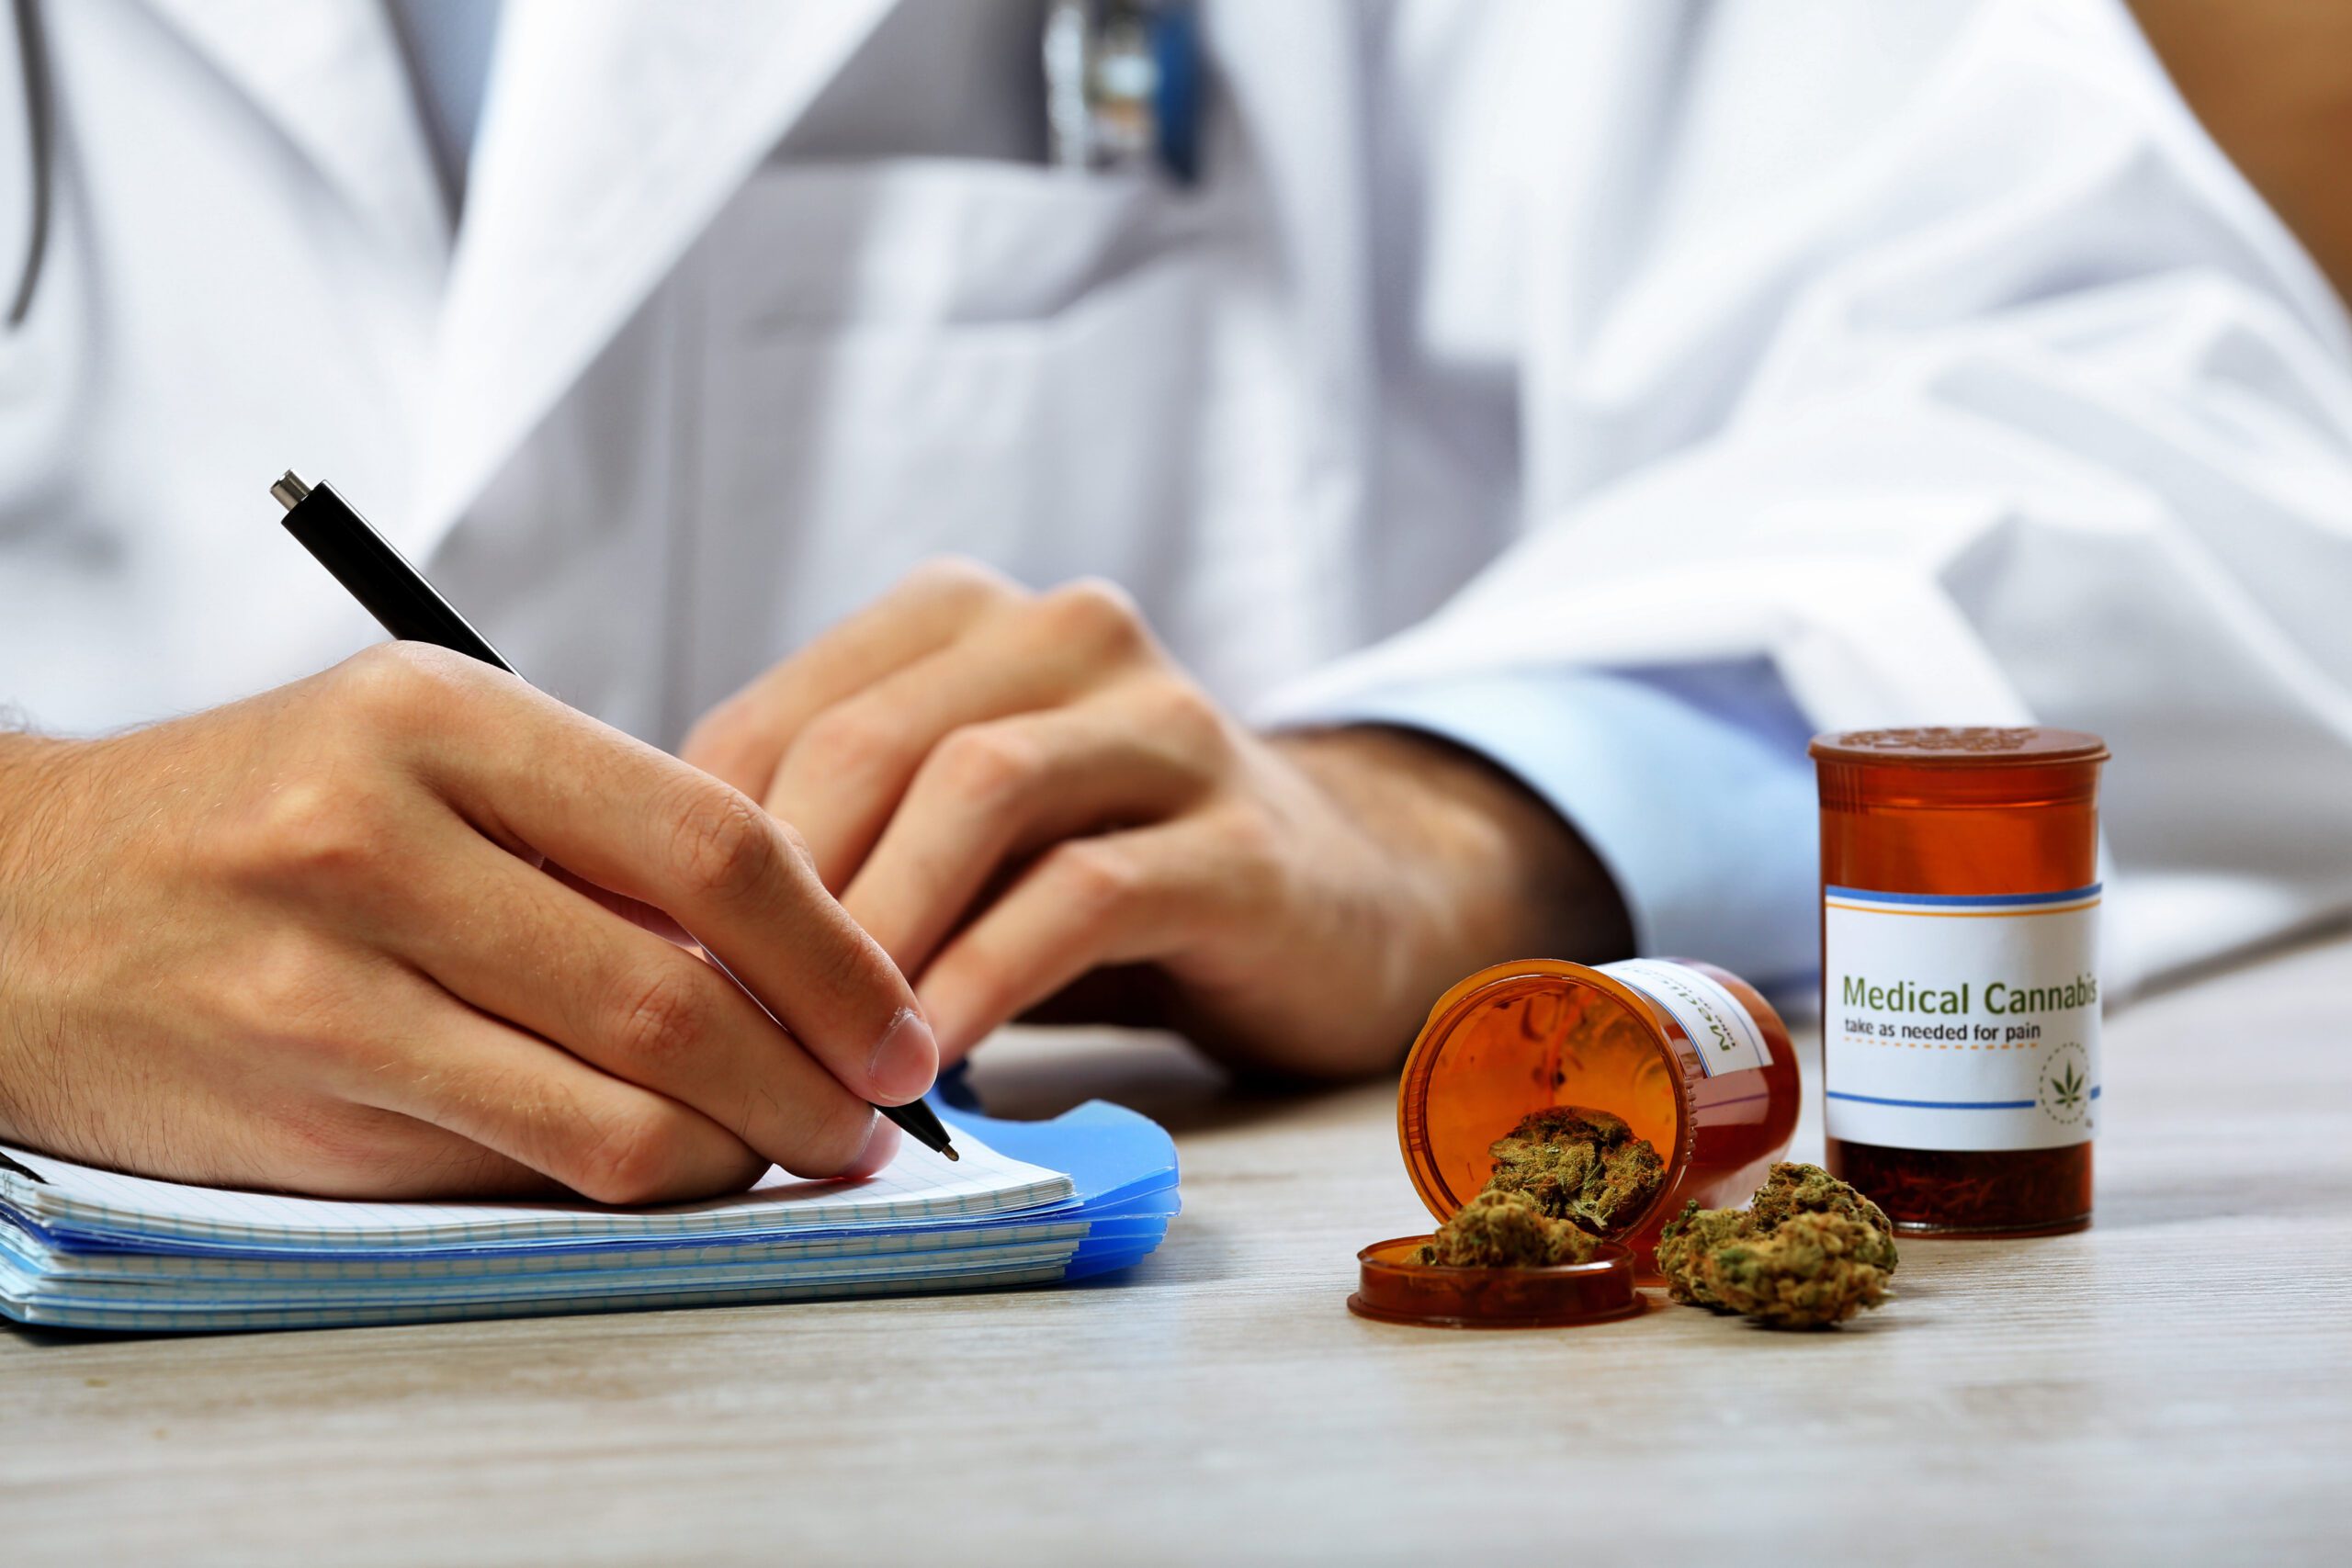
<point x="327" y="73"/>
<point x="612" y="135"/>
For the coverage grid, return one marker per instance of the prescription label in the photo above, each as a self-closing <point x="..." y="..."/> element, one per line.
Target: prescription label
<point x="1961" y="1022"/>
<point x="1726" y="1035"/>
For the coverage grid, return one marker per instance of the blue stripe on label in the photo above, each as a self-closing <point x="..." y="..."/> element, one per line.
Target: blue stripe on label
<point x="1963" y="900"/>
<point x="1942" y="1105"/>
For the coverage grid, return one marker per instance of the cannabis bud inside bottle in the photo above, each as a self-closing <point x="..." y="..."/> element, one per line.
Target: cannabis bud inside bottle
<point x="1960" y="1007"/>
<point x="1554" y="1116"/>
<point x="1683" y="1056"/>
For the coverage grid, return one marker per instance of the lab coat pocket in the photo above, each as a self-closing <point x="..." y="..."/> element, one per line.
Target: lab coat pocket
<point x="804" y="247"/>
<point x="922" y="357"/>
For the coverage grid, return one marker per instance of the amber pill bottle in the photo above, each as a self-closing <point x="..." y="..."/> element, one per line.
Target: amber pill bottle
<point x="1689" y="1055"/>
<point x="1960" y="993"/>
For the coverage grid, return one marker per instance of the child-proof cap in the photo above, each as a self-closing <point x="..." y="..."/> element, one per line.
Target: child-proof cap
<point x="1690" y="1056"/>
<point x="1394" y="1286"/>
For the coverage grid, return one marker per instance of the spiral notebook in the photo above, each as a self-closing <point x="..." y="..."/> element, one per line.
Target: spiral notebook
<point x="1028" y="1203"/>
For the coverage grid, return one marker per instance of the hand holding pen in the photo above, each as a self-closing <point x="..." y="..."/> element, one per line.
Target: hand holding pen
<point x="352" y="981"/>
<point x="731" y="861"/>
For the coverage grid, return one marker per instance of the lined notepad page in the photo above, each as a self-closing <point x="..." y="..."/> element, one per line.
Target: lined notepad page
<point x="918" y="1186"/>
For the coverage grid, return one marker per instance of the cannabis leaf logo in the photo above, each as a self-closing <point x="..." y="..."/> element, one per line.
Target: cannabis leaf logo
<point x="2065" y="1088"/>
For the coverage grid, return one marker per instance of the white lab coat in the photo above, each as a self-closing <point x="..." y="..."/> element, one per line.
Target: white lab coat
<point x="1929" y="351"/>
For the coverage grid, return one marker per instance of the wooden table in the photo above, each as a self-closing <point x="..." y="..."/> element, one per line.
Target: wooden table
<point x="2173" y="1386"/>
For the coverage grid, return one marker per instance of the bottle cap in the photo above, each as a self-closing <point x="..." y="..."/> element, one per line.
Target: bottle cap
<point x="1973" y="746"/>
<point x="1393" y="1286"/>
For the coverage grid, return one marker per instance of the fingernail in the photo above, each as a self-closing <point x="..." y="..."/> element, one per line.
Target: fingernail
<point x="906" y="1061"/>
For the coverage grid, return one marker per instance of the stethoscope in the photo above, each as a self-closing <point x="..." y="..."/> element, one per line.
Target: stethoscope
<point x="1123" y="84"/>
<point x="32" y="57"/>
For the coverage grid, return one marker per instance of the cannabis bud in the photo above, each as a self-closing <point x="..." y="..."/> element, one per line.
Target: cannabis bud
<point x="1791" y="1189"/>
<point x="1579" y="1165"/>
<point x="1809" y="1251"/>
<point x="1506" y="1230"/>
<point x="1688" y="1237"/>
<point x="1807" y="1273"/>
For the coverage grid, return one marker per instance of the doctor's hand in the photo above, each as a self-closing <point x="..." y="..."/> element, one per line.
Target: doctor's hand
<point x="302" y="942"/>
<point x="1025" y="802"/>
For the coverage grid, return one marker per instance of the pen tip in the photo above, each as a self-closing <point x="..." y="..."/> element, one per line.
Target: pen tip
<point x="949" y="1150"/>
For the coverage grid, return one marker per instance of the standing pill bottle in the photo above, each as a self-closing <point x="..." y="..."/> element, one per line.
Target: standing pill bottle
<point x="1689" y="1055"/>
<point x="1960" y="1002"/>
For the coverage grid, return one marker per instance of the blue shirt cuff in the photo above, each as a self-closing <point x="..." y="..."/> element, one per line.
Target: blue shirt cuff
<point x="1692" y="785"/>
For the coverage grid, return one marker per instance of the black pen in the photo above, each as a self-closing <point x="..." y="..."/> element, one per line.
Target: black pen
<point x="397" y="594"/>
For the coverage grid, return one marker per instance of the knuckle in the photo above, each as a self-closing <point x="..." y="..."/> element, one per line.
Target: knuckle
<point x="305" y="819"/>
<point x="1094" y="874"/>
<point x="847" y="962"/>
<point x="314" y="828"/>
<point x="634" y="1158"/>
<point x="662" y="1024"/>
<point x="724" y="847"/>
<point x="833" y="1145"/>
<point x="959" y="581"/>
<point x="987" y="763"/>
<point x="721" y="737"/>
<point x="1095" y="613"/>
<point x="1183" y="718"/>
<point x="792" y="844"/>
<point x="854" y="740"/>
<point x="403" y="684"/>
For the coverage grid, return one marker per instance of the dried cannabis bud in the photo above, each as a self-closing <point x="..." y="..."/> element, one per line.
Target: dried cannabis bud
<point x="1805" y="1273"/>
<point x="1688" y="1238"/>
<point x="1793" y="1189"/>
<point x="1506" y="1230"/>
<point x="1579" y="1165"/>
<point x="1561" y="1176"/>
<point x="1808" y="1252"/>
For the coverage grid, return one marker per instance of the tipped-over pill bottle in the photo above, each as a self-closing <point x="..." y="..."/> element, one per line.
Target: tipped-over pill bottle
<point x="1689" y="1055"/>
<point x="1960" y="1005"/>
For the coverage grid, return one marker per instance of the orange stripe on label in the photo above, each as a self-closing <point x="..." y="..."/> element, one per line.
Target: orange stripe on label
<point x="1958" y="914"/>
